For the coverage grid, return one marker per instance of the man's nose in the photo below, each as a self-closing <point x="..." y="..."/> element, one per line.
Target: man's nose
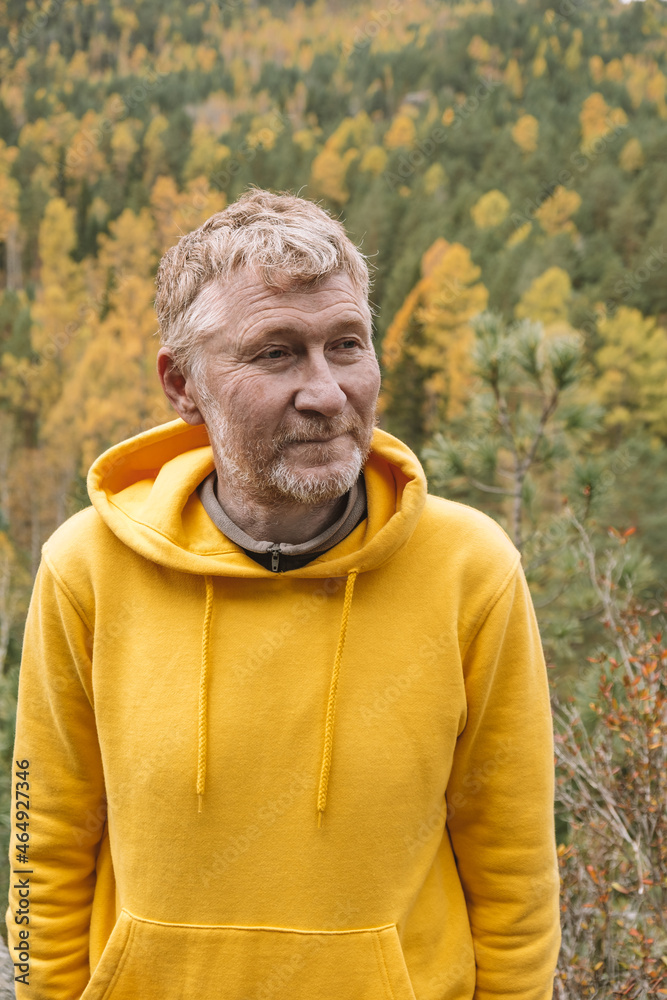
<point x="319" y="389"/>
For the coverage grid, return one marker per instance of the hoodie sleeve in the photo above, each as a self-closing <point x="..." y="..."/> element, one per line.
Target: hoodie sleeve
<point x="52" y="884"/>
<point x="500" y="803"/>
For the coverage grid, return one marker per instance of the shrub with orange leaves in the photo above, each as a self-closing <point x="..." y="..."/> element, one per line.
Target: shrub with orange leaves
<point x="612" y="794"/>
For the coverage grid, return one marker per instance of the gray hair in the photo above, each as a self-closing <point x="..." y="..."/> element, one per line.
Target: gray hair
<point x="291" y="242"/>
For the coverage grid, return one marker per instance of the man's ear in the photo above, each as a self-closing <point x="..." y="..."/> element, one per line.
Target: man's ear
<point x="177" y="388"/>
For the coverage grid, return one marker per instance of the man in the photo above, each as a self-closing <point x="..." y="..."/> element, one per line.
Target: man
<point x="284" y="716"/>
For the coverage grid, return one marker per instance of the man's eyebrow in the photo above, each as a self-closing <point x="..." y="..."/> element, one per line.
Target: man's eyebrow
<point x="356" y="323"/>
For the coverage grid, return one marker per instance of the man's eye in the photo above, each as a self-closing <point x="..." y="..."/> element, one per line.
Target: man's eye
<point x="348" y="344"/>
<point x="274" y="353"/>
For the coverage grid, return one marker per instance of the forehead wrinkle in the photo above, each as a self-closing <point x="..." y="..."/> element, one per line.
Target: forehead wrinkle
<point x="247" y="301"/>
<point x="274" y="318"/>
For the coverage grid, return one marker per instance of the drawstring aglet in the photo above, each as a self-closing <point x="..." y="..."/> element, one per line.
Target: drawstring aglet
<point x="319" y="819"/>
<point x="200" y="800"/>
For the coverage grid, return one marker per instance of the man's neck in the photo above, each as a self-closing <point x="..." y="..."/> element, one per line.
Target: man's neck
<point x="291" y="521"/>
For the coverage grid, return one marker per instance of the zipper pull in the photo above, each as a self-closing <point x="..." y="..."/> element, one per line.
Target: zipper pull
<point x="275" y="557"/>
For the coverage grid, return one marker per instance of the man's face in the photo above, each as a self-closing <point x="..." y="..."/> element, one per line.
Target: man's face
<point x="289" y="387"/>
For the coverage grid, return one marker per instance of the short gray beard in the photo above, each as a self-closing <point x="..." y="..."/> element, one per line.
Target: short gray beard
<point x="311" y="489"/>
<point x="268" y="479"/>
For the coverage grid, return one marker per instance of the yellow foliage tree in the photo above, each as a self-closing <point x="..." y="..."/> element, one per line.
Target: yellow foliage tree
<point x="440" y="306"/>
<point x="330" y="166"/>
<point x="656" y="86"/>
<point x="481" y="51"/>
<point x="614" y="70"/>
<point x="554" y="213"/>
<point x="305" y="56"/>
<point x="632" y="156"/>
<point x="327" y="174"/>
<point x="513" y="79"/>
<point x="206" y="155"/>
<point x="374" y="160"/>
<point x="455" y="296"/>
<point x="539" y="62"/>
<point x="547" y="299"/>
<point x="61" y="303"/>
<point x="596" y="68"/>
<point x="644" y="81"/>
<point x="111" y="392"/>
<point x="124" y="144"/>
<point x="573" y="51"/>
<point x="435" y="178"/>
<point x="154" y="151"/>
<point x="34" y="385"/>
<point x="478" y="48"/>
<point x="356" y="131"/>
<point x="264" y="130"/>
<point x="176" y="212"/>
<point x="305" y="139"/>
<point x="9" y="217"/>
<point x="490" y="210"/>
<point x="401" y="133"/>
<point x="47" y="141"/>
<point x="7" y="156"/>
<point x="525" y="133"/>
<point x="598" y="120"/>
<point x="14" y="580"/>
<point x="519" y="235"/>
<point x="206" y="58"/>
<point x="84" y="159"/>
<point x="633" y="371"/>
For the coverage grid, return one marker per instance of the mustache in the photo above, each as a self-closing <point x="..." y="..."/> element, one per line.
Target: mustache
<point x="319" y="427"/>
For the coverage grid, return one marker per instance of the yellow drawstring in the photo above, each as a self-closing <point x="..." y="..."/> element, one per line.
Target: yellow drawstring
<point x="331" y="704"/>
<point x="203" y="680"/>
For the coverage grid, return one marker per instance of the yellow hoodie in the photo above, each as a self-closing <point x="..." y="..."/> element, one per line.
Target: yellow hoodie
<point x="239" y="780"/>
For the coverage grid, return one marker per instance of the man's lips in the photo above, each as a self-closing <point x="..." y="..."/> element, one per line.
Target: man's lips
<point x="319" y="440"/>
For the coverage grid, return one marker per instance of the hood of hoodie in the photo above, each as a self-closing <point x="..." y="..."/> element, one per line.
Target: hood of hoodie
<point x="145" y="490"/>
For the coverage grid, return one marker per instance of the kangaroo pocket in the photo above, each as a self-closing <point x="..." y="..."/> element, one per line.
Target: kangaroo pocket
<point x="161" y="961"/>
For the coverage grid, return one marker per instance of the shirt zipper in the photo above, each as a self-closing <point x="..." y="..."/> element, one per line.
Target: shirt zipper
<point x="275" y="557"/>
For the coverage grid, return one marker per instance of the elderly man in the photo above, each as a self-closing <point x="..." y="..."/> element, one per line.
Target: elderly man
<point x="283" y="716"/>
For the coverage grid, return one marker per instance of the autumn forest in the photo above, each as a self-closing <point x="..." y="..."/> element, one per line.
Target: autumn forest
<point x="503" y="163"/>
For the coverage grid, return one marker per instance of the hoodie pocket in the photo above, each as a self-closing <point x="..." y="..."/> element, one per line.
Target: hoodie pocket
<point x="160" y="961"/>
